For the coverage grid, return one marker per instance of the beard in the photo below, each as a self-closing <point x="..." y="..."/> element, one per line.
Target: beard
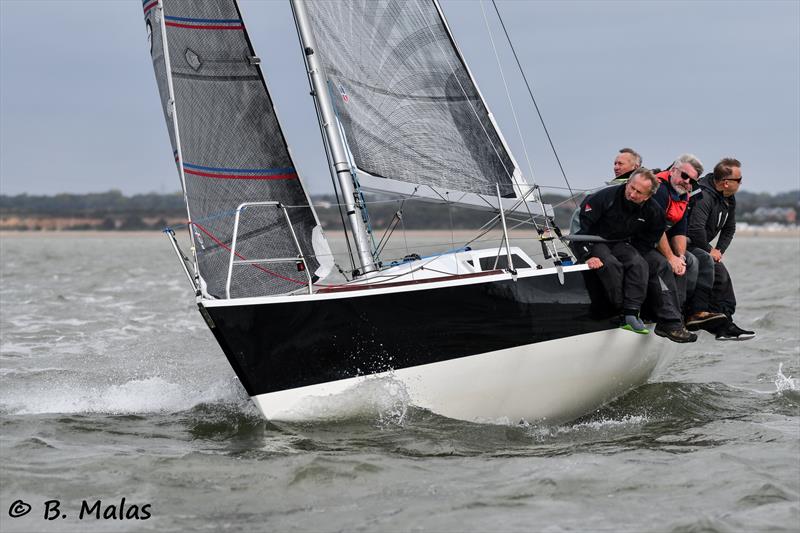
<point x="681" y="189"/>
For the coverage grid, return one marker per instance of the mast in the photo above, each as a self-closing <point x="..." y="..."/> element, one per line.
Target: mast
<point x="172" y="113"/>
<point x="338" y="150"/>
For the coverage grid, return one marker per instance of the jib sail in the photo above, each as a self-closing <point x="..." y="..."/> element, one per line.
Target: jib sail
<point x="229" y="149"/>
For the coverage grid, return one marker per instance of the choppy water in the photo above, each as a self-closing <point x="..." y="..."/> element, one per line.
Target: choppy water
<point x="113" y="387"/>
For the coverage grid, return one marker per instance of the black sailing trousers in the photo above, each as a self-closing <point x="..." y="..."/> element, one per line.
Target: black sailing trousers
<point x="700" y="298"/>
<point x="665" y="290"/>
<point x="623" y="274"/>
<point x="723" y="299"/>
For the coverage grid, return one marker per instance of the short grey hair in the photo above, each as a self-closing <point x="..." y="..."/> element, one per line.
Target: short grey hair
<point x="692" y="160"/>
<point x="637" y="159"/>
<point x="647" y="174"/>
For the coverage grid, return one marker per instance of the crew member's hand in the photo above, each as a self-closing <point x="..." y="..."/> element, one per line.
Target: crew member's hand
<point x="678" y="265"/>
<point x="594" y="263"/>
<point x="716" y="255"/>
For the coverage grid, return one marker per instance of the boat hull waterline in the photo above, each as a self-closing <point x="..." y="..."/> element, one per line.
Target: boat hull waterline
<point x="489" y="348"/>
<point x="550" y="382"/>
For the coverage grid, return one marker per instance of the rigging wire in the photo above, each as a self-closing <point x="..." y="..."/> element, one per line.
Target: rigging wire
<point x="535" y="105"/>
<point x="508" y="93"/>
<point x="516" y="123"/>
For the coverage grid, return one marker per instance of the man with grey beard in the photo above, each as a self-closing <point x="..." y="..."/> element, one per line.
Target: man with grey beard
<point x="668" y="261"/>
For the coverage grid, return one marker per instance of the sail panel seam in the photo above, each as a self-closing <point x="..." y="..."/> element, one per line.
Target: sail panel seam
<point x="201" y="77"/>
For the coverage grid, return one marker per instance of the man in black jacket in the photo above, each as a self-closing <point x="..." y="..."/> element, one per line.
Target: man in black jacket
<point x="617" y="214"/>
<point x="712" y="214"/>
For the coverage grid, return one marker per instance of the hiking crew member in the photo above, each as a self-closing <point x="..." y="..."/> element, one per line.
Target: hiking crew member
<point x="668" y="263"/>
<point x="620" y="213"/>
<point x="625" y="163"/>
<point x="713" y="214"/>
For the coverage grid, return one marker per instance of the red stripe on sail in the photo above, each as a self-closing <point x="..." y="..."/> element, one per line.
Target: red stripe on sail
<point x="198" y="27"/>
<point x="289" y="176"/>
<point x="149" y="7"/>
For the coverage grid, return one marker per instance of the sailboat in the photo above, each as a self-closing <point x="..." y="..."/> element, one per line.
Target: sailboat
<point x="474" y="334"/>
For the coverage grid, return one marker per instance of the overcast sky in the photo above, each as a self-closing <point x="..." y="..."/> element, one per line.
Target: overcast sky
<point x="79" y="109"/>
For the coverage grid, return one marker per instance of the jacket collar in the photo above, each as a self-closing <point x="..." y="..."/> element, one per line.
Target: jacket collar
<point x="707" y="185"/>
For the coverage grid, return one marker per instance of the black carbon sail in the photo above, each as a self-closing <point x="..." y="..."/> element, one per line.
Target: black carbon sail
<point x="409" y="107"/>
<point x="229" y="149"/>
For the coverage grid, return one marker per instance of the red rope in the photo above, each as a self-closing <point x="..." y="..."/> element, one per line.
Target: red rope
<point x="240" y="256"/>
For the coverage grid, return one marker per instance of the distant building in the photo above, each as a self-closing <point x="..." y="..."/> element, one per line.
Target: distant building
<point x="783" y="215"/>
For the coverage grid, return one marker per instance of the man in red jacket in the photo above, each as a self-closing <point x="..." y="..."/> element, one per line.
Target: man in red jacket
<point x="668" y="261"/>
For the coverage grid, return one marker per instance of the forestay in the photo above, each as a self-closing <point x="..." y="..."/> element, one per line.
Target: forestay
<point x="229" y="149"/>
<point x="407" y="104"/>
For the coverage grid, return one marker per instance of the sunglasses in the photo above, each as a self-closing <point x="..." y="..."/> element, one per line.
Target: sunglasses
<point x="687" y="177"/>
<point x="737" y="180"/>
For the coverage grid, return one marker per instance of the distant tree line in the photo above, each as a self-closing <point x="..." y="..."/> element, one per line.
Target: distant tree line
<point x="114" y="211"/>
<point x="94" y="204"/>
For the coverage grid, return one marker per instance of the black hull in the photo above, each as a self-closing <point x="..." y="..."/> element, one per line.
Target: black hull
<point x="280" y="346"/>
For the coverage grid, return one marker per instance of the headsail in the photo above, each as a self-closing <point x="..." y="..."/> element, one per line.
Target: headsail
<point x="229" y="149"/>
<point x="408" y="105"/>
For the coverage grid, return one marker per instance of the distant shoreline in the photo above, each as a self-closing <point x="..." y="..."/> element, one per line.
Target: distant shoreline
<point x="460" y="234"/>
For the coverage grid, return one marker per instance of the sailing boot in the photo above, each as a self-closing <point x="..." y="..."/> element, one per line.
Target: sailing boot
<point x="635" y="324"/>
<point x="732" y="332"/>
<point x="705" y="320"/>
<point x="675" y="333"/>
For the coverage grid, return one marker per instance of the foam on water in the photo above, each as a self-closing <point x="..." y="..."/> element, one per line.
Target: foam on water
<point x="784" y="383"/>
<point x="384" y="398"/>
<point x="138" y="396"/>
<point x="591" y="426"/>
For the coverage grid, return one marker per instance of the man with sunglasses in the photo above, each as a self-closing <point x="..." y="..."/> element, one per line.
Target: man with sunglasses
<point x="668" y="261"/>
<point x="714" y="214"/>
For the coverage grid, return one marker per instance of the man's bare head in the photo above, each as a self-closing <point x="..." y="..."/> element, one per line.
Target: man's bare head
<point x="626" y="160"/>
<point x="641" y="186"/>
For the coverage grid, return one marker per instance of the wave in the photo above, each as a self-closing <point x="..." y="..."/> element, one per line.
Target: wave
<point x="382" y="399"/>
<point x="784" y="383"/>
<point x="138" y="396"/>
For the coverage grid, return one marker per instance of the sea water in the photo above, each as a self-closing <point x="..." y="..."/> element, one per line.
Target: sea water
<point x="120" y="413"/>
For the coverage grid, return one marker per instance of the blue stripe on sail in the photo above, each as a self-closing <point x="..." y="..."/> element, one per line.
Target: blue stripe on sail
<point x="242" y="170"/>
<point x="216" y="21"/>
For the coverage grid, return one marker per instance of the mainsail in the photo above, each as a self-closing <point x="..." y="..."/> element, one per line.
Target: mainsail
<point x="230" y="149"/>
<point x="406" y="101"/>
